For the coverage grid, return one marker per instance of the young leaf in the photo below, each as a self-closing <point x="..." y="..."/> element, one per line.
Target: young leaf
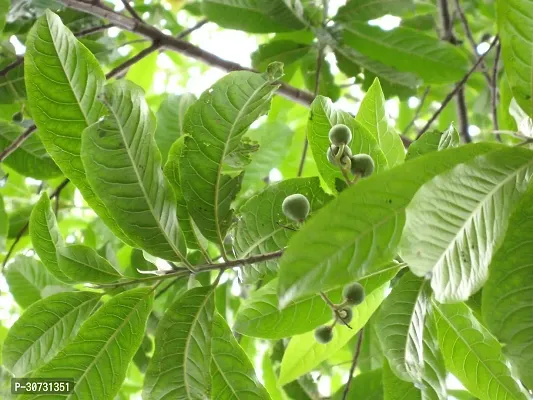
<point x="371" y="356"/>
<point x="215" y="125"/>
<point x="285" y="51"/>
<point x="515" y="31"/>
<point x="408" y="50"/>
<point x="508" y="295"/>
<point x="46" y="238"/>
<point x="321" y="118"/>
<point x="29" y="281"/>
<point x="54" y="58"/>
<point x="231" y="370"/>
<point x="260" y="316"/>
<point x="44" y="329"/>
<point x="30" y="159"/>
<point x="83" y="264"/>
<point x="473" y="355"/>
<point x="366" y="10"/>
<point x="179" y="368"/>
<point x="433" y="141"/>
<point x="123" y="166"/>
<point x="170" y="118"/>
<point x="395" y="388"/>
<point x="457" y="249"/>
<point x="4" y="225"/>
<point x="358" y="231"/>
<point x="98" y="357"/>
<point x="303" y="353"/>
<point x="367" y="385"/>
<point x="261" y="226"/>
<point x="372" y="116"/>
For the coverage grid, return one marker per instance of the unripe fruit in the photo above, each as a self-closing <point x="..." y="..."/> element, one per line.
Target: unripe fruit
<point x="18" y="117"/>
<point x="340" y="134"/>
<point x="324" y="334"/>
<point x="296" y="207"/>
<point x="354" y="294"/>
<point x="346" y="315"/>
<point x="362" y="164"/>
<point x="332" y="152"/>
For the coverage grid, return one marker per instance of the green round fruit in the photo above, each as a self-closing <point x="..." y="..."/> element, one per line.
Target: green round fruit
<point x="346" y="315"/>
<point x="296" y="207"/>
<point x="332" y="152"/>
<point x="362" y="164"/>
<point x="354" y="294"/>
<point x="340" y="134"/>
<point x="18" y="117"/>
<point x="324" y="334"/>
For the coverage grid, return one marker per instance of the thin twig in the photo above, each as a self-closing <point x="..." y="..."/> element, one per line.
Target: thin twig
<point x="193" y="28"/>
<point x="460" y="84"/>
<point x="494" y="91"/>
<point x="418" y="110"/>
<point x="12" y="66"/>
<point x="334" y="309"/>
<point x="130" y="9"/>
<point x="462" y="114"/>
<point x="354" y="365"/>
<point x="17" y="143"/>
<point x="93" y="30"/>
<point x="164" y="290"/>
<point x="120" y="69"/>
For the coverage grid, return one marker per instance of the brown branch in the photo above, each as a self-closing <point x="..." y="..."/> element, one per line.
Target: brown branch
<point x="12" y="66"/>
<point x="90" y="31"/>
<point x="462" y="114"/>
<point x="17" y="143"/>
<point x="130" y="9"/>
<point x="494" y="91"/>
<point x="120" y="69"/>
<point x="354" y="365"/>
<point x="458" y="86"/>
<point x="193" y="28"/>
<point x="418" y="111"/>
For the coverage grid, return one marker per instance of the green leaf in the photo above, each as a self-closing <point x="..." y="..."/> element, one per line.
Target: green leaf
<point x="179" y="368"/>
<point x="327" y="86"/>
<point x="507" y="303"/>
<point x="433" y="141"/>
<point x="260" y="228"/>
<point x="232" y="373"/>
<point x="434" y="385"/>
<point x="12" y="87"/>
<point x="46" y="238"/>
<point x="271" y="380"/>
<point x="408" y="50"/>
<point x="304" y="353"/>
<point x="170" y="118"/>
<point x="4" y="8"/>
<point x="123" y="166"/>
<point x="395" y="388"/>
<point x="260" y="315"/>
<point x="457" y="249"/>
<point x="473" y="355"/>
<point x="355" y="233"/>
<point x="367" y="385"/>
<point x="44" y="329"/>
<point x="18" y="219"/>
<point x="285" y="51"/>
<point x="371" y="356"/>
<point x="30" y="158"/>
<point x="321" y="118"/>
<point x="83" y="264"/>
<point x="274" y="140"/>
<point x="98" y="357"/>
<point x="29" y="281"/>
<point x="256" y="16"/>
<point x="372" y="116"/>
<point x="366" y="10"/>
<point x="4" y="225"/>
<point x="515" y="28"/>
<point x="215" y="125"/>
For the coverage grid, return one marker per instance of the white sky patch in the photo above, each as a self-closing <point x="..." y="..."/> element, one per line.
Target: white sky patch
<point x="482" y="48"/>
<point x="334" y="5"/>
<point x="413" y="102"/>
<point x="19" y="47"/>
<point x="387" y="22"/>
<point x="275" y="175"/>
<point x="392" y="108"/>
<point x="474" y="130"/>
<point x="113" y="31"/>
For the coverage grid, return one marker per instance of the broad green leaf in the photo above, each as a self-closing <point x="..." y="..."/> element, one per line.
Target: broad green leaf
<point x="304" y="353"/>
<point x="507" y="304"/>
<point x="12" y="87"/>
<point x="473" y="355"/>
<point x="456" y="221"/>
<point x="83" y="264"/>
<point x="373" y="117"/>
<point x="4" y="8"/>
<point x="170" y="118"/>
<point x="366" y="385"/>
<point x="30" y="159"/>
<point x="45" y="237"/>
<point x="179" y="368"/>
<point x="232" y="373"/>
<point x="434" y="378"/>
<point x="63" y="80"/>
<point x="395" y="388"/>
<point x="270" y="378"/>
<point x="193" y="237"/>
<point x="408" y="50"/>
<point x="18" y="219"/>
<point x="214" y="152"/>
<point x="274" y="140"/>
<point x="400" y="326"/>
<point x="260" y="316"/>
<point x="355" y="233"/>
<point x="322" y="117"/>
<point x="123" y="166"/>
<point x="515" y="27"/>
<point x="371" y="356"/>
<point x="285" y="51"/>
<point x="29" y="281"/>
<point x="256" y="16"/>
<point x="433" y="141"/>
<point x="98" y="357"/>
<point x="260" y="228"/>
<point x="366" y="10"/>
<point x="4" y="225"/>
<point x="44" y="329"/>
